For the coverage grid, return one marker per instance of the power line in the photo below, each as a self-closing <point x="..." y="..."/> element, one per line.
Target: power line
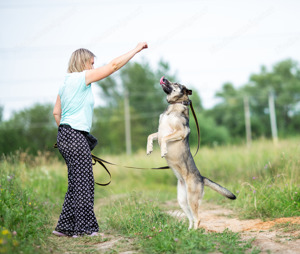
<point x="39" y="4"/>
<point x="4" y="50"/>
<point x="26" y="98"/>
<point x="18" y="98"/>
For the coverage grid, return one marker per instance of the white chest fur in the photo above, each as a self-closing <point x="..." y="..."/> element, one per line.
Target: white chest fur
<point x="165" y="125"/>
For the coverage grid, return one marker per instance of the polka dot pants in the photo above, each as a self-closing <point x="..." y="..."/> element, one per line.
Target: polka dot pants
<point x="77" y="216"/>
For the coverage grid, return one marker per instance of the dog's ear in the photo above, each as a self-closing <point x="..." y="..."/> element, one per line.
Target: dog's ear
<point x="189" y="92"/>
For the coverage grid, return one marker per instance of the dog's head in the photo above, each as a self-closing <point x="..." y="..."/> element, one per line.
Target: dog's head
<point x="175" y="92"/>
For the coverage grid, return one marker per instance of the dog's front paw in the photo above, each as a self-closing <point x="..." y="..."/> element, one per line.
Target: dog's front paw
<point x="164" y="152"/>
<point x="149" y="149"/>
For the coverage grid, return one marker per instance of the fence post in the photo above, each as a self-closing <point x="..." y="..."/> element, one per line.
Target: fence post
<point x="247" y="120"/>
<point x="127" y="122"/>
<point x="273" y="117"/>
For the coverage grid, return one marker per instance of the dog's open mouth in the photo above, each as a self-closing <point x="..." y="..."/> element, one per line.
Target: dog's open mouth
<point x="165" y="84"/>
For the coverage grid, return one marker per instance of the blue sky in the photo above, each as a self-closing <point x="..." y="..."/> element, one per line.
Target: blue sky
<point x="207" y="42"/>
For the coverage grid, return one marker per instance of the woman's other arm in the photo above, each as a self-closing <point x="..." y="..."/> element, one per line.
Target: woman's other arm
<point x="57" y="111"/>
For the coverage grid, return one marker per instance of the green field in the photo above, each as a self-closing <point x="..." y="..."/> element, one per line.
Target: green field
<point x="264" y="177"/>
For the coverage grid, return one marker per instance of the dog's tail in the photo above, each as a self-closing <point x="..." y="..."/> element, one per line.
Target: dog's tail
<point x="218" y="188"/>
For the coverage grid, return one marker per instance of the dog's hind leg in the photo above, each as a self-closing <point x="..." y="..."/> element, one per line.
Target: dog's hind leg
<point x="194" y="197"/>
<point x="182" y="200"/>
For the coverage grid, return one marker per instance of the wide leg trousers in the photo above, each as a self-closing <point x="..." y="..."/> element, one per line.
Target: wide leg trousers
<point x="77" y="216"/>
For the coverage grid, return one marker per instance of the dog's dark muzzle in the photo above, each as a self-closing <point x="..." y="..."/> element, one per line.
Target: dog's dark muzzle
<point x="165" y="84"/>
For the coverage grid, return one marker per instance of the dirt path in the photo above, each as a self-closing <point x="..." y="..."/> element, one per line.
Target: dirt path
<point x="270" y="236"/>
<point x="277" y="236"/>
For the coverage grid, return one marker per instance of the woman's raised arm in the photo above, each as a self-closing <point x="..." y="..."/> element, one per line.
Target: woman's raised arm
<point x="97" y="74"/>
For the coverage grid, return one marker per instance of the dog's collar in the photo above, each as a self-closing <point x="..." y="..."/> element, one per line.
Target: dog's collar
<point x="185" y="103"/>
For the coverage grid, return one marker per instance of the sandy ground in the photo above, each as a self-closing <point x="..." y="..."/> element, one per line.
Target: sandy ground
<point x="268" y="237"/>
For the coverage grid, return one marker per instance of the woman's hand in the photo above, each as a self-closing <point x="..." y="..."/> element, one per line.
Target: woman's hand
<point x="141" y="46"/>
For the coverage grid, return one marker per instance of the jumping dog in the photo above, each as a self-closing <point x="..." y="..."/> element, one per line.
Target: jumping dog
<point x="173" y="138"/>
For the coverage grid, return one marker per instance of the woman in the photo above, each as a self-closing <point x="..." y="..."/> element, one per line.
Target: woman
<point x="73" y="112"/>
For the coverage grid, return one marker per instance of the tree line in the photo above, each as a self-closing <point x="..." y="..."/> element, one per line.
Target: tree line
<point x="33" y="129"/>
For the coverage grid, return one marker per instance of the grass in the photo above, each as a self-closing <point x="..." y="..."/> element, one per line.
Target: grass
<point x="264" y="177"/>
<point x="27" y="195"/>
<point x="287" y="227"/>
<point x="137" y="217"/>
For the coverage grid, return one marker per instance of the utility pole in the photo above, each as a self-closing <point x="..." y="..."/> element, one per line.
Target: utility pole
<point x="247" y="121"/>
<point x="127" y="122"/>
<point x="273" y="117"/>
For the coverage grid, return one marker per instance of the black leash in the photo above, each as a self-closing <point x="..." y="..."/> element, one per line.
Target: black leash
<point x="197" y="125"/>
<point x="101" y="161"/>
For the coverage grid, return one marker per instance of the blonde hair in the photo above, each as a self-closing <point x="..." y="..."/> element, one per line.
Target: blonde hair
<point x="78" y="60"/>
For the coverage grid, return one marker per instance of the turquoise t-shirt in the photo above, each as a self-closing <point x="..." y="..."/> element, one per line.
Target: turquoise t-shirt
<point x="77" y="102"/>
